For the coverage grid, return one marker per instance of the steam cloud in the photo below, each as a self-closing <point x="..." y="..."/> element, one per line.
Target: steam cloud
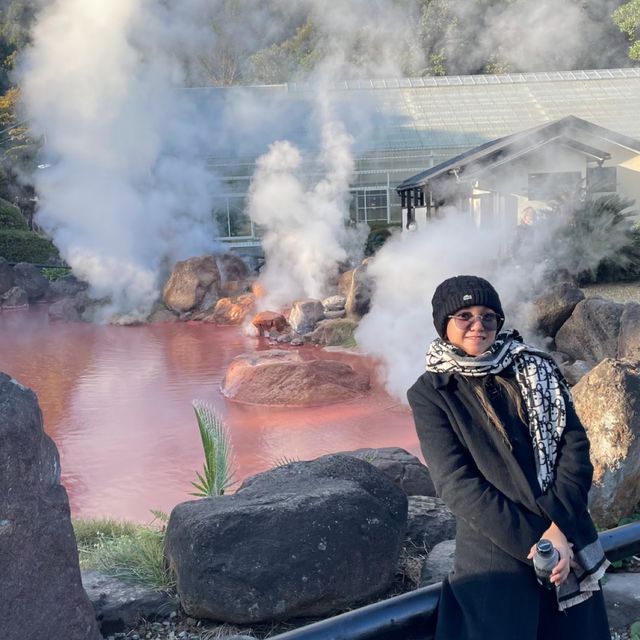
<point x="127" y="191"/>
<point x="305" y="235"/>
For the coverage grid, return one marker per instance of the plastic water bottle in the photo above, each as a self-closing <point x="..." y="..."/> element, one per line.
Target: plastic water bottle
<point x="545" y="559"/>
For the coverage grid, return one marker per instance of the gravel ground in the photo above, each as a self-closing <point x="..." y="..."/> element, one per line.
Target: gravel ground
<point x="619" y="291"/>
<point x="185" y="628"/>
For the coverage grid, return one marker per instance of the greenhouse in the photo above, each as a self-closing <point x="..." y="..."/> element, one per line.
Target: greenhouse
<point x="401" y="127"/>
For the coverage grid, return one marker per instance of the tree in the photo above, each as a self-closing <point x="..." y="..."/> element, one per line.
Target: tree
<point x="286" y="60"/>
<point x="627" y="19"/>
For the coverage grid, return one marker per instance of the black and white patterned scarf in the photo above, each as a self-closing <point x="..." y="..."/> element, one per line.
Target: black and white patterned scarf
<point x="540" y="382"/>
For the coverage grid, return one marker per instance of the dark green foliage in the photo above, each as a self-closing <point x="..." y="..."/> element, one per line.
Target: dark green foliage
<point x="11" y="217"/>
<point x="596" y="241"/>
<point x="26" y="246"/>
<point x="379" y="234"/>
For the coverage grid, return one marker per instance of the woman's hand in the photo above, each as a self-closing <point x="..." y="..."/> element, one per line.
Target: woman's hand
<point x="559" y="541"/>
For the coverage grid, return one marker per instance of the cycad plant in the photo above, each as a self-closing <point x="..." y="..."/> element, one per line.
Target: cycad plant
<point x="218" y="471"/>
<point x="595" y="240"/>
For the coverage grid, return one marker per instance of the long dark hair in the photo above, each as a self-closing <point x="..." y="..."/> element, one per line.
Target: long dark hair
<point x="510" y="388"/>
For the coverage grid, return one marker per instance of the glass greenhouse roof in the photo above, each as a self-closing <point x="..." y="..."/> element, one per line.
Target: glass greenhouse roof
<point x="456" y="112"/>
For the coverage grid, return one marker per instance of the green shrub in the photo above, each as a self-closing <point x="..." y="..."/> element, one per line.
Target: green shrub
<point x="597" y="241"/>
<point x="124" y="550"/>
<point x="11" y="217"/>
<point x="379" y="234"/>
<point x="26" y="246"/>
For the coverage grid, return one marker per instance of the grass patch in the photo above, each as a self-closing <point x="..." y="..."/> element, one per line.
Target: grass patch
<point x="56" y="273"/>
<point x="125" y="550"/>
<point x="91" y="531"/>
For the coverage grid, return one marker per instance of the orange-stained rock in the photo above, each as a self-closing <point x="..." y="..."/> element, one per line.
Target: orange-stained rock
<point x="283" y="378"/>
<point x="257" y="289"/>
<point x="231" y="310"/>
<point x="234" y="275"/>
<point x="267" y="320"/>
<point x="196" y="284"/>
<point x="191" y="283"/>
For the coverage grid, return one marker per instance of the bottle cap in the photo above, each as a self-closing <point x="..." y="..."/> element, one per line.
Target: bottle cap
<point x="544" y="547"/>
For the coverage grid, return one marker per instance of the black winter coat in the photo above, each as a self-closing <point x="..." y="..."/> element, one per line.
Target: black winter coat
<point x="501" y="512"/>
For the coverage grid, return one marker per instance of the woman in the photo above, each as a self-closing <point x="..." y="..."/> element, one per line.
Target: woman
<point x="509" y="457"/>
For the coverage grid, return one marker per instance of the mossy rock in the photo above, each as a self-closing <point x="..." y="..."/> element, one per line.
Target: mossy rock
<point x="25" y="246"/>
<point x="335" y="333"/>
<point x="11" y="217"/>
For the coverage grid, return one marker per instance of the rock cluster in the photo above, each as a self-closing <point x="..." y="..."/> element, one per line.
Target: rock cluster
<point x="304" y="539"/>
<point x="586" y="330"/>
<point x="197" y="284"/>
<point x="42" y="594"/>
<point x="20" y="285"/>
<point x="597" y="344"/>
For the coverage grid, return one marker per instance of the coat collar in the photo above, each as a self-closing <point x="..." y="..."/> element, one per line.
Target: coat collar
<point x="441" y="380"/>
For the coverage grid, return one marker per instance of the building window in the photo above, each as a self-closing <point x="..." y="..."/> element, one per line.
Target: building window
<point x="549" y="186"/>
<point x="369" y="205"/>
<point x="601" y="179"/>
<point x="231" y="218"/>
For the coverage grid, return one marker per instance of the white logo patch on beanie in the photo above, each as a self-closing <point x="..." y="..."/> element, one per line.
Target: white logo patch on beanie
<point x="468" y="296"/>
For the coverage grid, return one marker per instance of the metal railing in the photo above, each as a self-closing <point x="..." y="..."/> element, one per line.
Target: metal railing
<point x="412" y="616"/>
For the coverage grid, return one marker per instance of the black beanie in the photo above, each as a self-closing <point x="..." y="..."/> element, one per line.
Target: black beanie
<point x="459" y="292"/>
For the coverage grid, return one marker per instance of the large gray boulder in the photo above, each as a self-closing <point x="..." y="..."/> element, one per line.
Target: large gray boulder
<point x="14" y="298"/>
<point x="278" y="377"/>
<point x="403" y="468"/>
<point x="234" y="274"/>
<point x="629" y="338"/>
<point x="28" y="277"/>
<point x="429" y="522"/>
<point x="193" y="284"/>
<point x="338" y="332"/>
<point x="69" y="309"/>
<point x="305" y="314"/>
<point x="68" y="287"/>
<point x="554" y="307"/>
<point x="304" y="539"/>
<point x="42" y="594"/>
<point x="334" y="303"/>
<point x="196" y="284"/>
<point x="6" y="276"/>
<point x="119" y="605"/>
<point x="439" y="563"/>
<point x="622" y="597"/>
<point x="606" y="400"/>
<point x="591" y="333"/>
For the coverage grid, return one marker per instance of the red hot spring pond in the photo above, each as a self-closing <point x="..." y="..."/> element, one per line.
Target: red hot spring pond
<point x="117" y="403"/>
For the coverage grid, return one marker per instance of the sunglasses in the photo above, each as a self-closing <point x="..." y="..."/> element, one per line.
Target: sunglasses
<point x="465" y="319"/>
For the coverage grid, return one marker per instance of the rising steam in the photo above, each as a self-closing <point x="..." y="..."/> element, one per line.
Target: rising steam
<point x="126" y="192"/>
<point x="305" y="236"/>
